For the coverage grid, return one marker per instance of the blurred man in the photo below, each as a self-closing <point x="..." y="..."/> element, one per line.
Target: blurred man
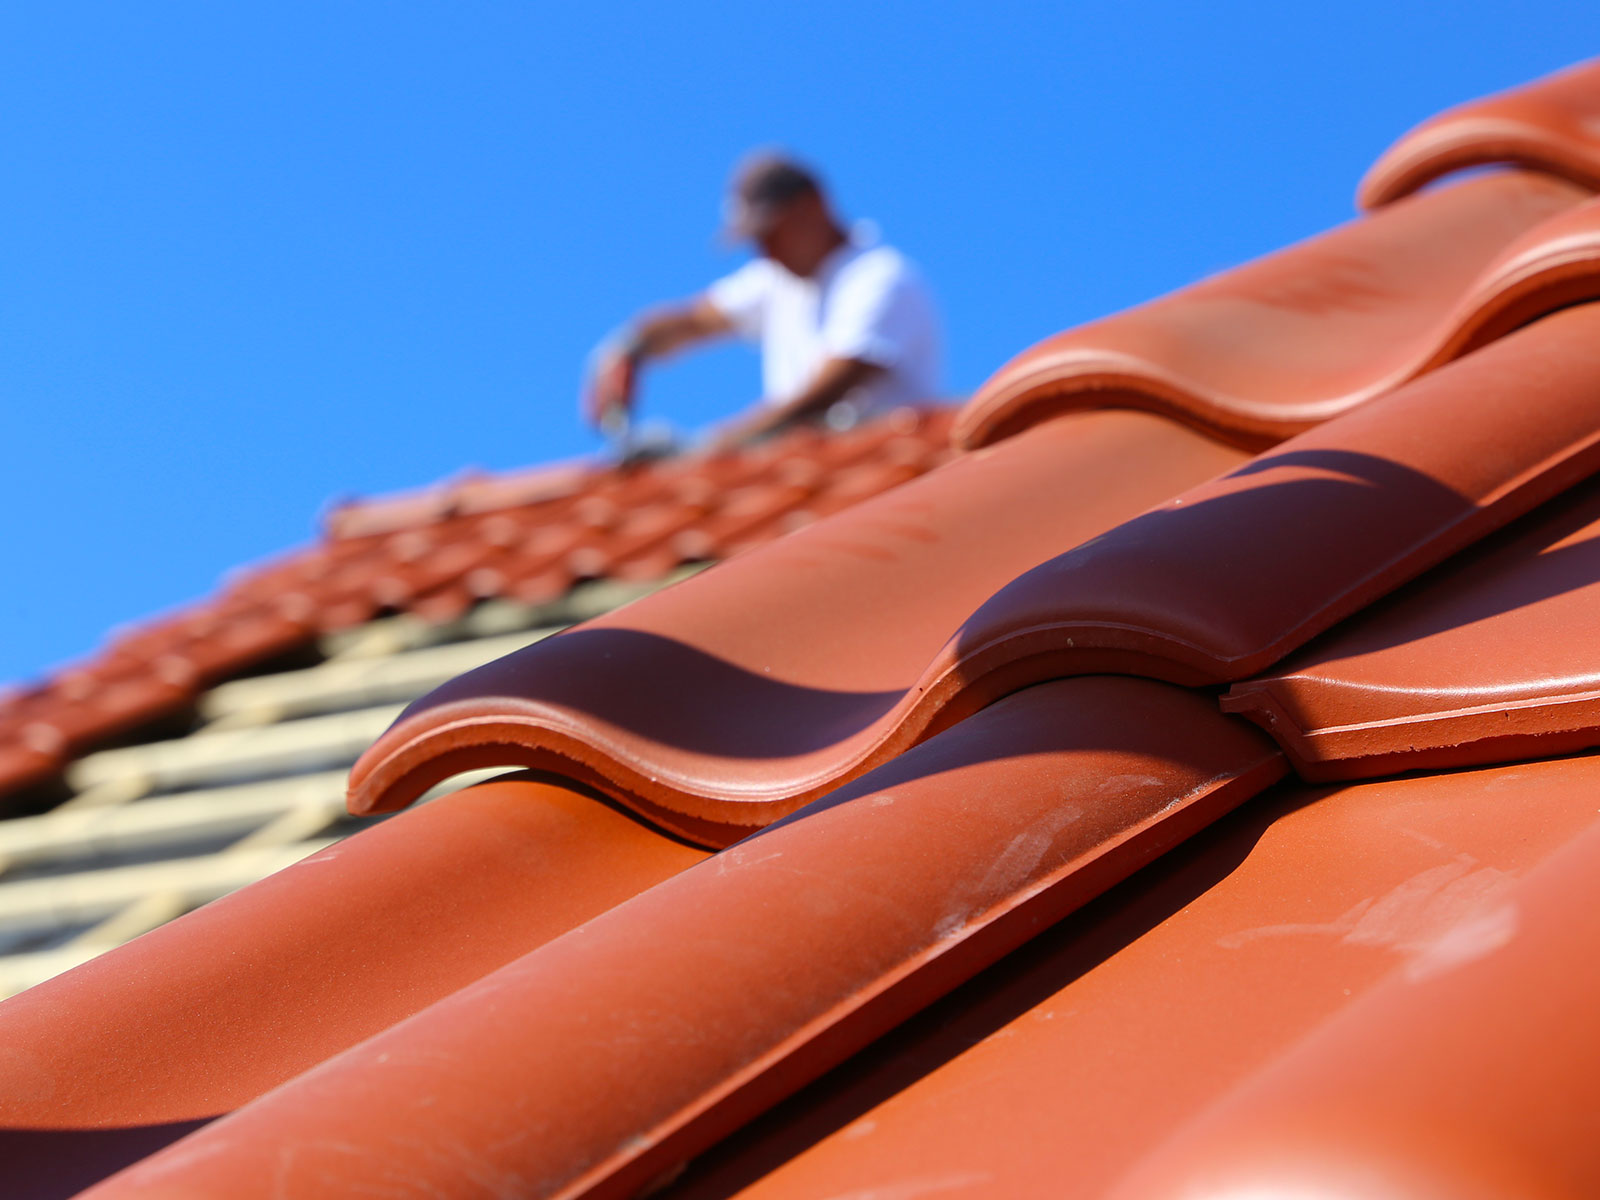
<point x="847" y="328"/>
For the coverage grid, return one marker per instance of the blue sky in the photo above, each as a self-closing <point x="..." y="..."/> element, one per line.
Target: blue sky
<point x="255" y="257"/>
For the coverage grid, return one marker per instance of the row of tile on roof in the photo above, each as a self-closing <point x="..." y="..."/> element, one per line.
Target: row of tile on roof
<point x="528" y="537"/>
<point x="912" y="702"/>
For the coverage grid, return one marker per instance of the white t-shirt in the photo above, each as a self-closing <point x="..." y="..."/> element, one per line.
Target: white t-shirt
<point x="865" y="302"/>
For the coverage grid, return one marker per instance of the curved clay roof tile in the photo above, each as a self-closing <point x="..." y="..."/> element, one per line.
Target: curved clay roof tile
<point x="1271" y="348"/>
<point x="1490" y="658"/>
<point x="708" y="702"/>
<point x="1551" y="125"/>
<point x="709" y="707"/>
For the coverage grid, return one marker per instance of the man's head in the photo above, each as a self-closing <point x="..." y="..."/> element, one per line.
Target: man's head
<point x="779" y="205"/>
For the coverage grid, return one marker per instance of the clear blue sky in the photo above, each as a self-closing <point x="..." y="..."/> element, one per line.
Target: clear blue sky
<point x="256" y="256"/>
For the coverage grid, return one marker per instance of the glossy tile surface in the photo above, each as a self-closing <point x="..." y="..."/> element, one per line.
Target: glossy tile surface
<point x="1268" y="349"/>
<point x="1470" y="1075"/>
<point x="1489" y="658"/>
<point x="1550" y="125"/>
<point x="210" y="1011"/>
<point x="1064" y="1068"/>
<point x="659" y="1026"/>
<point x="1227" y="578"/>
<point x="709" y="704"/>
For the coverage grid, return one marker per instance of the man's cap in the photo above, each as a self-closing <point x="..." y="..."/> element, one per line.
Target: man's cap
<point x="762" y="186"/>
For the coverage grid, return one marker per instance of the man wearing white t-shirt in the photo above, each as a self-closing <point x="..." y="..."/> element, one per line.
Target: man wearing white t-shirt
<point x="847" y="328"/>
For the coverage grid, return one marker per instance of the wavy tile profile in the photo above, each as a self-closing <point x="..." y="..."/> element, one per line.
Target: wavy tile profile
<point x="842" y="920"/>
<point x="709" y="707"/>
<point x="741" y="723"/>
<point x="1267" y="350"/>
<point x="1550" y="125"/>
<point x="1491" y="657"/>
<point x="1229" y="577"/>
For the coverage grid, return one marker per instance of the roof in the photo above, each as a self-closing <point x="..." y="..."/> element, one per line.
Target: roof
<point x="1187" y="789"/>
<point x="527" y="537"/>
<point x="213" y="787"/>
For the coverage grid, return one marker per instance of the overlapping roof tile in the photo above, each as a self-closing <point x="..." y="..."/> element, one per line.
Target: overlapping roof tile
<point x="915" y="877"/>
<point x="1488" y="659"/>
<point x="1120" y="1030"/>
<point x="1310" y="533"/>
<point x="922" y="708"/>
<point x="1550" y="125"/>
<point x="744" y="720"/>
<point x="1268" y="349"/>
<point x="527" y="536"/>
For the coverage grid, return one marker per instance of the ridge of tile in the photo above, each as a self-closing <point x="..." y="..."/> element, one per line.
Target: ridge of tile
<point x="530" y="536"/>
<point x="1229" y="577"/>
<point x="1487" y="658"/>
<point x="1471" y="1075"/>
<point x="710" y="701"/>
<point x="172" y="1029"/>
<point x="971" y="841"/>
<point x="1550" y="125"/>
<point x="1270" y="348"/>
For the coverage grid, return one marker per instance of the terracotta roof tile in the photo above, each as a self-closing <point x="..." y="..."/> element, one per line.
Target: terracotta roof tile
<point x="1268" y="349"/>
<point x="1489" y="658"/>
<point x="1311" y="533"/>
<point x="1551" y="125"/>
<point x="1471" y="1072"/>
<point x="745" y="720"/>
<point x="1084" y="1053"/>
<point x="320" y="956"/>
<point x="1230" y="576"/>
<point x="382" y="1006"/>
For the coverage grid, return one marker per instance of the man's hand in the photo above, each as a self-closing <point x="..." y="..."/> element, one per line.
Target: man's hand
<point x="612" y="382"/>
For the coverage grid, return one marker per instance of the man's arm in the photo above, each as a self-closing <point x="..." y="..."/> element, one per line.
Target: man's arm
<point x="835" y="379"/>
<point x="613" y="379"/>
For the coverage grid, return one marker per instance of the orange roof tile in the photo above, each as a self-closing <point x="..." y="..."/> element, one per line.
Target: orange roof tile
<point x="1550" y="125"/>
<point x="522" y="989"/>
<point x="1268" y="349"/>
<point x="952" y="856"/>
<point x="1475" y="662"/>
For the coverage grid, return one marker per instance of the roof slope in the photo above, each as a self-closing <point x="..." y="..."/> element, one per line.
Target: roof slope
<point x="528" y="537"/>
<point x="975" y="715"/>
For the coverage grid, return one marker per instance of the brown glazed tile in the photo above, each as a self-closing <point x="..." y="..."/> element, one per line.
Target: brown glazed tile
<point x="208" y="1012"/>
<point x="1550" y="125"/>
<point x="740" y="694"/>
<point x="1269" y="349"/>
<point x="1083" y="1053"/>
<point x="1227" y="578"/>
<point x="641" y="1028"/>
<point x="1491" y="657"/>
<point x="1470" y="1075"/>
